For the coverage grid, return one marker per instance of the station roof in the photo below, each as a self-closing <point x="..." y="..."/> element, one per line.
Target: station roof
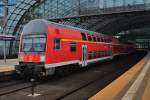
<point x="109" y="23"/>
<point x="102" y="16"/>
<point x="26" y="10"/>
<point x="7" y="37"/>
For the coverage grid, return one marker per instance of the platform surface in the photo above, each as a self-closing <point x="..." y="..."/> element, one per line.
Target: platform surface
<point x="146" y="93"/>
<point x="8" y="66"/>
<point x="132" y="85"/>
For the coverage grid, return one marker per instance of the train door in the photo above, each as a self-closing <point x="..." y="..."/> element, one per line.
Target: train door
<point x="110" y="50"/>
<point x="84" y="55"/>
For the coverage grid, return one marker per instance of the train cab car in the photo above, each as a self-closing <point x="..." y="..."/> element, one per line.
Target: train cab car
<point x="45" y="46"/>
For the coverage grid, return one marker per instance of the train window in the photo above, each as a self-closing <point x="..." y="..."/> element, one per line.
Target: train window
<point x="57" y="43"/>
<point x="89" y="38"/>
<point x="106" y="53"/>
<point x="110" y="40"/>
<point x="98" y="39"/>
<point x="95" y="54"/>
<point x="102" y="53"/>
<point x="94" y="38"/>
<point x="110" y="53"/>
<point x="90" y="55"/>
<point x="73" y="46"/>
<point x="102" y="39"/>
<point x="105" y="40"/>
<point x="99" y="53"/>
<point x="83" y="36"/>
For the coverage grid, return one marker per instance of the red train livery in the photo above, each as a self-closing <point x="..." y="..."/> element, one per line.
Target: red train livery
<point x="45" y="46"/>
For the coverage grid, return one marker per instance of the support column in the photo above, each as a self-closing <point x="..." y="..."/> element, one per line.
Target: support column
<point x="114" y="3"/>
<point x="134" y="2"/>
<point x="79" y="7"/>
<point x="5" y="21"/>
<point x="104" y="4"/>
<point x="124" y="3"/>
<point x="4" y="51"/>
<point x="5" y="7"/>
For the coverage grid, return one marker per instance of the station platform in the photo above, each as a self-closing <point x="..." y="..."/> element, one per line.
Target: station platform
<point x="8" y="67"/>
<point x="132" y="85"/>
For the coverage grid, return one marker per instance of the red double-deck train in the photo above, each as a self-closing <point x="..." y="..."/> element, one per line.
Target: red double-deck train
<point x="45" y="46"/>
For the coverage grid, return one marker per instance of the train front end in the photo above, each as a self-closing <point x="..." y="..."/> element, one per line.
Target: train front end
<point x="31" y="57"/>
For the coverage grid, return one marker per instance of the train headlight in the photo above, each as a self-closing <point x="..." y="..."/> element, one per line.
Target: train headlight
<point x="20" y="58"/>
<point x="42" y="58"/>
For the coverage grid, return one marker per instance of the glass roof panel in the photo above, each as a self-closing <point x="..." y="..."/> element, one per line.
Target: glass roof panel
<point x="61" y="8"/>
<point x="28" y="1"/>
<point x="22" y="5"/>
<point x="13" y="16"/>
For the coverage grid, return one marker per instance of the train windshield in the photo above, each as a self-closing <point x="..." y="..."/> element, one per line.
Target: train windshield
<point x="33" y="43"/>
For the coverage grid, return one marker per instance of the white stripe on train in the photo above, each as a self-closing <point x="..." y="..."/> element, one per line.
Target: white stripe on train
<point x="47" y="66"/>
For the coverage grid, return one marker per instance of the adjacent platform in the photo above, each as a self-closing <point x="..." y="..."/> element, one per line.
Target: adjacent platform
<point x="132" y="85"/>
<point x="8" y="67"/>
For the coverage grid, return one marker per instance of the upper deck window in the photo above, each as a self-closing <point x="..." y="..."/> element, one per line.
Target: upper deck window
<point x="89" y="38"/>
<point x="98" y="39"/>
<point x="83" y="36"/>
<point x="94" y="38"/>
<point x="102" y="39"/>
<point x="109" y="40"/>
<point x="106" y="40"/>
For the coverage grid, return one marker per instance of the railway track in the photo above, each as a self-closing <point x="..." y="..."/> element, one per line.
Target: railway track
<point x="10" y="83"/>
<point x="13" y="87"/>
<point x="106" y="75"/>
<point x="111" y="73"/>
<point x="83" y="86"/>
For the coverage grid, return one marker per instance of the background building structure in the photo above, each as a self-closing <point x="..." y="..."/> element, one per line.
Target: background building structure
<point x="26" y="10"/>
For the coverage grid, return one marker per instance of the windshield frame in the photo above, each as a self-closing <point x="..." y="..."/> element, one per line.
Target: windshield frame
<point x="33" y="37"/>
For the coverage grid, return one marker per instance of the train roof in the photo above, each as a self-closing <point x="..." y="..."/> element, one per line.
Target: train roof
<point x="41" y="26"/>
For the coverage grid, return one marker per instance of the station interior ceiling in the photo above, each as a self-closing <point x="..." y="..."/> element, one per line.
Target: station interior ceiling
<point x="129" y="20"/>
<point x="107" y="17"/>
<point x="132" y="24"/>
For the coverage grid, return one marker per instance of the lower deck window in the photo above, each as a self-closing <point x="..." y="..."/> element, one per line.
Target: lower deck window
<point x="99" y="54"/>
<point x="95" y="54"/>
<point x="73" y="47"/>
<point x="102" y="53"/>
<point x="90" y="55"/>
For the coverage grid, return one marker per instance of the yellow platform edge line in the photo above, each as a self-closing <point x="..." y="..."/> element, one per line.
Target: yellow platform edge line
<point x="113" y="89"/>
<point x="6" y="69"/>
<point x="146" y="94"/>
